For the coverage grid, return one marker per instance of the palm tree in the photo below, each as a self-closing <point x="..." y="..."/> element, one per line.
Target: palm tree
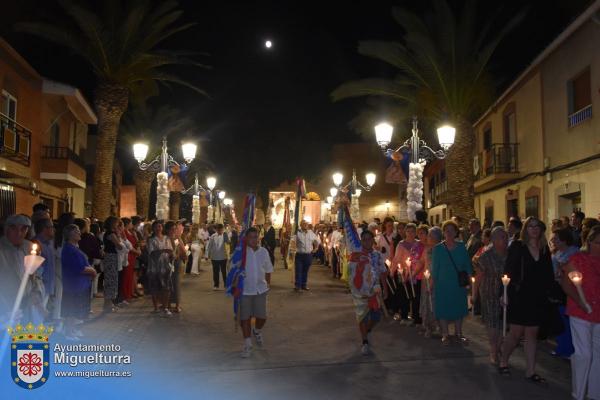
<point x="150" y="124"/>
<point x="120" y="44"/>
<point x="442" y="64"/>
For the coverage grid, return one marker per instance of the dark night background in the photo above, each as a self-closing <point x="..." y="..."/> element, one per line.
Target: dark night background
<point x="269" y="117"/>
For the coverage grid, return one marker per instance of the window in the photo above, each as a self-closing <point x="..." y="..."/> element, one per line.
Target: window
<point x="55" y="135"/>
<point x="532" y="206"/>
<point x="532" y="202"/>
<point x="579" y="90"/>
<point x="487" y="138"/>
<point x="8" y="105"/>
<point x="8" y="201"/>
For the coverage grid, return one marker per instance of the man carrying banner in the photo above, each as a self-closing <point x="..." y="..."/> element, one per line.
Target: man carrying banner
<point x="367" y="276"/>
<point x="253" y="302"/>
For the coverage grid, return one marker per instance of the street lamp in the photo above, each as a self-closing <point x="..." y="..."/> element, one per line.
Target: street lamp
<point x="211" y="182"/>
<point x="333" y="192"/>
<point x="354" y="188"/>
<point x="420" y="153"/>
<point x="160" y="165"/>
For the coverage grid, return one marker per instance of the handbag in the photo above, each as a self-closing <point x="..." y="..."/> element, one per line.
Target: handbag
<point x="463" y="276"/>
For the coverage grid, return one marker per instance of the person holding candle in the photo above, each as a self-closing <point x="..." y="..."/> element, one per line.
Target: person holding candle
<point x="429" y="323"/>
<point x="529" y="267"/>
<point x="585" y="323"/>
<point x="13" y="249"/>
<point x="490" y="267"/>
<point x="385" y="244"/>
<point x="77" y="277"/>
<point x="448" y="259"/>
<point x="408" y="255"/>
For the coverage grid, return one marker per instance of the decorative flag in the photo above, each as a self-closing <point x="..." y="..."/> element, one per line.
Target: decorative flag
<point x="235" y="278"/>
<point x="300" y="193"/>
<point x="350" y="233"/>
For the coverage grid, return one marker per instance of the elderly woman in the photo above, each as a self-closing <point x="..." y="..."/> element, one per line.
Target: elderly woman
<point x="77" y="275"/>
<point x="448" y="260"/>
<point x="432" y="238"/>
<point x="529" y="267"/>
<point x="160" y="255"/>
<point x="490" y="267"/>
<point x="585" y="323"/>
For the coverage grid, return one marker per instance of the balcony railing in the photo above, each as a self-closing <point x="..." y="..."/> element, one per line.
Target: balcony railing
<point x="578" y="117"/>
<point x="15" y="140"/>
<point x="500" y="158"/>
<point x="62" y="153"/>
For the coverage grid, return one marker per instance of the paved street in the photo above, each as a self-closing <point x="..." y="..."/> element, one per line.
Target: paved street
<point x="312" y="350"/>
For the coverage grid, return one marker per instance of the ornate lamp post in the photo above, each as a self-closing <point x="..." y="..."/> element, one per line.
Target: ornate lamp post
<point x="354" y="188"/>
<point x="420" y="152"/>
<point x="160" y="165"/>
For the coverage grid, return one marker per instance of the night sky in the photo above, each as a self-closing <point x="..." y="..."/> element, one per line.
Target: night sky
<point x="269" y="116"/>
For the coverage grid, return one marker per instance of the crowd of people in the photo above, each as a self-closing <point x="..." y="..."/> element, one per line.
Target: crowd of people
<point x="431" y="277"/>
<point x="424" y="277"/>
<point x="119" y="260"/>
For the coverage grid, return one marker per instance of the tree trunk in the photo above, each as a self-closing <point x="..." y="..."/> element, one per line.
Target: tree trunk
<point x="175" y="204"/>
<point x="110" y="101"/>
<point x="143" y="183"/>
<point x="459" y="170"/>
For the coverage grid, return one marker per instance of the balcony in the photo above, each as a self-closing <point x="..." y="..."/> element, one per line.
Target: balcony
<point x="498" y="164"/>
<point x="62" y="167"/>
<point x="578" y="117"/>
<point x="15" y="141"/>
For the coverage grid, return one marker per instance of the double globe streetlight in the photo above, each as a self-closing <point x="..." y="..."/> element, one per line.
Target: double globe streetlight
<point x="419" y="154"/>
<point x="160" y="165"/>
<point x="354" y="189"/>
<point x="196" y="189"/>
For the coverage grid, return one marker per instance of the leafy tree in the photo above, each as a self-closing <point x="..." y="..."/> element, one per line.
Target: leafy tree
<point x="442" y="74"/>
<point x="119" y="40"/>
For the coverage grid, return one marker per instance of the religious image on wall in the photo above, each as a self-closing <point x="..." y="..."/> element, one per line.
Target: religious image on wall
<point x="397" y="169"/>
<point x="277" y="207"/>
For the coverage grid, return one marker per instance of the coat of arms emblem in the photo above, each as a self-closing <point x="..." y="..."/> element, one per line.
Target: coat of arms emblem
<point x="30" y="355"/>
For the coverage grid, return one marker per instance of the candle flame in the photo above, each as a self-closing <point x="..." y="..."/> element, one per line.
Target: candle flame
<point x="34" y="247"/>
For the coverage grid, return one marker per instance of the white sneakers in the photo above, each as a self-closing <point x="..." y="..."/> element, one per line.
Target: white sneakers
<point x="247" y="351"/>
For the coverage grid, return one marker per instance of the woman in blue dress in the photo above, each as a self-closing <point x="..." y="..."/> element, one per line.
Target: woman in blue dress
<point x="447" y="259"/>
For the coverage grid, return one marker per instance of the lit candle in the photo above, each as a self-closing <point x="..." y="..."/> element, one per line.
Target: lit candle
<point x="427" y="274"/>
<point x="577" y="278"/>
<point x="401" y="272"/>
<point x="33" y="251"/>
<point x="410" y="275"/>
<point x="473" y="295"/>
<point x="176" y="242"/>
<point x="505" y="282"/>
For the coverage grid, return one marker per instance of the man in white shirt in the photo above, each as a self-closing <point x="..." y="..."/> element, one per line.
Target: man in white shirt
<point x="253" y="302"/>
<point x="306" y="244"/>
<point x="336" y="238"/>
<point x="218" y="255"/>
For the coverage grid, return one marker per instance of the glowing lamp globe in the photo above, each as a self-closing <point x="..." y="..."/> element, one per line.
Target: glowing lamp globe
<point x="329" y="199"/>
<point x="383" y="134"/>
<point x="211" y="182"/>
<point x="221" y="195"/>
<point x="333" y="192"/>
<point x="357" y="193"/>
<point x="446" y="134"/>
<point x="228" y="202"/>
<point x="337" y="179"/>
<point x="189" y="151"/>
<point x="370" y="179"/>
<point x="140" y="151"/>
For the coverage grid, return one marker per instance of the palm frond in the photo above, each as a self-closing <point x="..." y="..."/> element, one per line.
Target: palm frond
<point x="374" y="87"/>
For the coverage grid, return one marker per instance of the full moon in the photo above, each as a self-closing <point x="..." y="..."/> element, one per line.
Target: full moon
<point x="268" y="44"/>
